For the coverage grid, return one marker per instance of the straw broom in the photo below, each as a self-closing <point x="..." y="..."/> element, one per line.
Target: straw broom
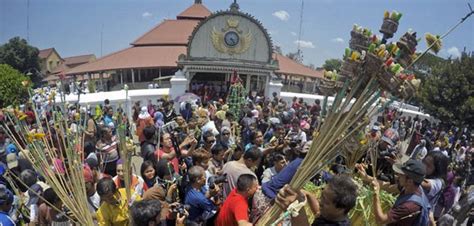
<point x="68" y="185"/>
<point x="340" y="118"/>
<point x="337" y="123"/>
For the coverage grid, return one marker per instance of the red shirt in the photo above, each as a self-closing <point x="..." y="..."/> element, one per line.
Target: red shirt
<point x="234" y="209"/>
<point x="174" y="161"/>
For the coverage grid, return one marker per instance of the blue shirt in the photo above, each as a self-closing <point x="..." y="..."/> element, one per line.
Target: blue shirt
<point x="271" y="188"/>
<point x="201" y="207"/>
<point x="5" y="220"/>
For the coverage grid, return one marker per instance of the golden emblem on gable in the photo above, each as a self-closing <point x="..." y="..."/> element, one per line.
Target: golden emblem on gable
<point x="231" y="39"/>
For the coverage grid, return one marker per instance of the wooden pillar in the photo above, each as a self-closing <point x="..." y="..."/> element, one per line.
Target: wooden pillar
<point x="102" y="80"/>
<point x="121" y="77"/>
<point x="139" y="75"/>
<point x="133" y="77"/>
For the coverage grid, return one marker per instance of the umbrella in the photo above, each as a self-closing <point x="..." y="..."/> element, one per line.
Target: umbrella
<point x="187" y="97"/>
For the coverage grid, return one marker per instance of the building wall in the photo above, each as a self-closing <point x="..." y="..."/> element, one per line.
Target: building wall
<point x="50" y="63"/>
<point x="202" y="45"/>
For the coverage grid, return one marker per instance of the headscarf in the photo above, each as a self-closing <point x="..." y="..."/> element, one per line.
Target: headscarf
<point x="159" y="119"/>
<point x="144" y="113"/>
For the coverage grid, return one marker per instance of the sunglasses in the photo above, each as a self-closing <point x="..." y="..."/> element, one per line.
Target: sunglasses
<point x="226" y="134"/>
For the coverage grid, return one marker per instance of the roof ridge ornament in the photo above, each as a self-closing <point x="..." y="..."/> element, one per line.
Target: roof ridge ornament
<point x="197" y="1"/>
<point x="234" y="7"/>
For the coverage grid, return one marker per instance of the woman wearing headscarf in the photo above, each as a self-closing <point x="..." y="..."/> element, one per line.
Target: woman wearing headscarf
<point x="144" y="120"/>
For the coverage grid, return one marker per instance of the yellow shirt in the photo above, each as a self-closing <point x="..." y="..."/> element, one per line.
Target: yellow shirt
<point x="116" y="215"/>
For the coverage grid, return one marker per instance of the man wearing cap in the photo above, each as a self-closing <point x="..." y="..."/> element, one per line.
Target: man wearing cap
<point x="6" y="201"/>
<point x="412" y="206"/>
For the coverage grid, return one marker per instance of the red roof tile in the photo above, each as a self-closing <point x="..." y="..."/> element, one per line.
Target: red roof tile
<point x="291" y="67"/>
<point x="79" y="59"/>
<point x="44" y="53"/>
<point x="169" y="32"/>
<point x="134" y="57"/>
<point x="196" y="11"/>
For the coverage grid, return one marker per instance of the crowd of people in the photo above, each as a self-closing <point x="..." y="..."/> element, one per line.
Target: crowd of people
<point x="203" y="165"/>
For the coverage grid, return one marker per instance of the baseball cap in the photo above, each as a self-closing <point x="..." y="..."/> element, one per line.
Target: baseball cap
<point x="12" y="161"/>
<point x="413" y="169"/>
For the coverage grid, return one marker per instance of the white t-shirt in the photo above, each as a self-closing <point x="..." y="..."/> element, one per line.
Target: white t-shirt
<point x="433" y="195"/>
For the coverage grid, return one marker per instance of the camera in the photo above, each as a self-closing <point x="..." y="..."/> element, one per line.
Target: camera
<point x="294" y="141"/>
<point x="180" y="208"/>
<point x="212" y="181"/>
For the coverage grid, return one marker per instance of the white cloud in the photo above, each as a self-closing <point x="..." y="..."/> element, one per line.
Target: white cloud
<point x="293" y="33"/>
<point x="282" y="15"/>
<point x="146" y="14"/>
<point x="338" y="40"/>
<point x="454" y="52"/>
<point x="305" y="44"/>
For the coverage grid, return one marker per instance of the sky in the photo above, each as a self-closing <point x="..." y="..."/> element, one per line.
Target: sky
<point x="74" y="27"/>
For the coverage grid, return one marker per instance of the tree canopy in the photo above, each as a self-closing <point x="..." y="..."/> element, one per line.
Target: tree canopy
<point x="332" y="64"/>
<point x="447" y="92"/>
<point x="20" y="55"/>
<point x="12" y="91"/>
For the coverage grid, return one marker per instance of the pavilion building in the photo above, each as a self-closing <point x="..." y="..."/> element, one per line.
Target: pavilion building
<point x="201" y="49"/>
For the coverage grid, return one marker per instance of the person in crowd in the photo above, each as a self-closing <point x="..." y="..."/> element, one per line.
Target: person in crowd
<point x="225" y="138"/>
<point x="30" y="179"/>
<point x="107" y="150"/>
<point x="436" y="165"/>
<point x="167" y="151"/>
<point x="148" y="173"/>
<point x="264" y="197"/>
<point x="420" y="151"/>
<point x="6" y="201"/>
<point x="93" y="199"/>
<point x="148" y="212"/>
<point x="279" y="162"/>
<point x="165" y="188"/>
<point x="148" y="146"/>
<point x="217" y="161"/>
<point x="337" y="199"/>
<point x="144" y="120"/>
<point x="235" y="208"/>
<point x="244" y="165"/>
<point x="208" y="140"/>
<point x="50" y="213"/>
<point x="114" y="208"/>
<point x="201" y="202"/>
<point x="136" y="182"/>
<point x="412" y="207"/>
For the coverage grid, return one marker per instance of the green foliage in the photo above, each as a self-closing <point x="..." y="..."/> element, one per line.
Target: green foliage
<point x="21" y="56"/>
<point x="91" y="86"/>
<point x="12" y="92"/>
<point x="448" y="93"/>
<point x="332" y="64"/>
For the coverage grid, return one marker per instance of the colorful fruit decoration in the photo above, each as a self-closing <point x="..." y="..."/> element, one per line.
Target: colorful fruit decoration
<point x="435" y="41"/>
<point x="360" y="38"/>
<point x="390" y="24"/>
<point x="407" y="45"/>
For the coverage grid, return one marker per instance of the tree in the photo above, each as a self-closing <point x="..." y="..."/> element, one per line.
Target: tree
<point x="296" y="56"/>
<point x="12" y="91"/>
<point x="277" y="49"/>
<point x="332" y="64"/>
<point x="21" y="56"/>
<point x="448" y="93"/>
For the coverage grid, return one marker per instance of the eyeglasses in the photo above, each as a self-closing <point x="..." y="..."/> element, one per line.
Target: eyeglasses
<point x="211" y="141"/>
<point x="226" y="134"/>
